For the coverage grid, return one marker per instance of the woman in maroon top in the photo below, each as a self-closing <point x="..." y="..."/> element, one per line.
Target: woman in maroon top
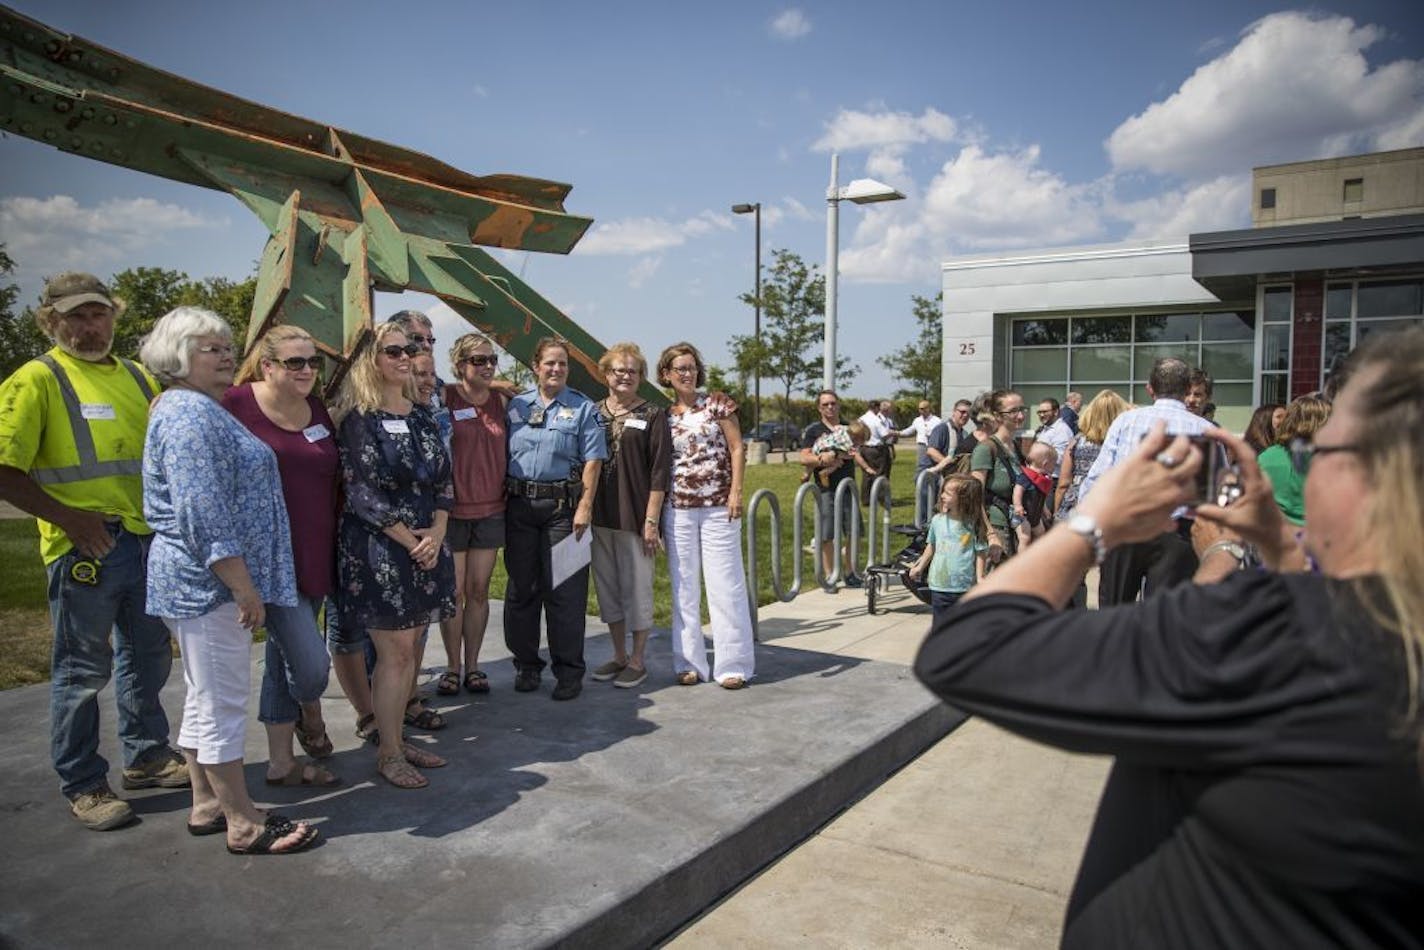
<point x="273" y="399"/>
<point x="479" y="454"/>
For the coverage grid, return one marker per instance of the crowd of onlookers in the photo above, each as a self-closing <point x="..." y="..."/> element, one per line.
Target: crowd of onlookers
<point x="1255" y="670"/>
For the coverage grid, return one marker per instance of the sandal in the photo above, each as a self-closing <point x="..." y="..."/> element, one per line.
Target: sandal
<point x="300" y="774"/>
<point x="421" y="758"/>
<point x="449" y="683"/>
<point x="366" y="729"/>
<point x="396" y="770"/>
<point x="476" y="682"/>
<point x="275" y="828"/>
<point x="201" y="828"/>
<point x="424" y="717"/>
<point x="733" y="682"/>
<point x="689" y="678"/>
<point x="314" y="742"/>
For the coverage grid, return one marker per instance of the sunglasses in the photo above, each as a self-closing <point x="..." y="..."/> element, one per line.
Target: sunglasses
<point x="396" y="352"/>
<point x="1302" y="450"/>
<point x="421" y="339"/>
<point x="481" y="360"/>
<point x="295" y="363"/>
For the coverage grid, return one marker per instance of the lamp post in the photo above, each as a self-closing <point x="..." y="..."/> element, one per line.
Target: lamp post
<point x="756" y="377"/>
<point x="860" y="191"/>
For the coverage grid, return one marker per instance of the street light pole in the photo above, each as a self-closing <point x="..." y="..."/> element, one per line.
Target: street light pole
<point x="860" y="191"/>
<point x="755" y="208"/>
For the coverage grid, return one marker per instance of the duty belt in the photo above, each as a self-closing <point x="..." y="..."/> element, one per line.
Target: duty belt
<point x="527" y="489"/>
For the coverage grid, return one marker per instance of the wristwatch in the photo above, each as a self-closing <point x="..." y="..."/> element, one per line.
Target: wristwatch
<point x="1086" y="527"/>
<point x="1234" y="548"/>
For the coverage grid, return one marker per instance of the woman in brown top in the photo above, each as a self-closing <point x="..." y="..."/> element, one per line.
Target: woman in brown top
<point x="626" y="511"/>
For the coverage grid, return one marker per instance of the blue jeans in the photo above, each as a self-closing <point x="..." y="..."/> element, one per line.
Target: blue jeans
<point x="941" y="601"/>
<point x="296" y="662"/>
<point x="83" y="660"/>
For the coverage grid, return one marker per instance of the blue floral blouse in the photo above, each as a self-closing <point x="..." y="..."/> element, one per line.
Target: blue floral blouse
<point x="211" y="490"/>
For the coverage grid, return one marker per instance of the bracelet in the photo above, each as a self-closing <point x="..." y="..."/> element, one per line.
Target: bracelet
<point x="1230" y="546"/>
<point x="651" y="521"/>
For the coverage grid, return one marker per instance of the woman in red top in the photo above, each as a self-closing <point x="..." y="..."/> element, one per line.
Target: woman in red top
<point x="479" y="453"/>
<point x="273" y="400"/>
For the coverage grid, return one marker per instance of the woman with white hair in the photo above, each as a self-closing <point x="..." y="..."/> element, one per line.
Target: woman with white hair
<point x="396" y="574"/>
<point x="222" y="551"/>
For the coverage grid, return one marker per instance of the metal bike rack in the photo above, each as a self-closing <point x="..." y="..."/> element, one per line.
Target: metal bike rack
<point x="922" y="480"/>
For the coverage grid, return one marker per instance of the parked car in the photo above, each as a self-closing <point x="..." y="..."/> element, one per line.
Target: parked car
<point x="781" y="435"/>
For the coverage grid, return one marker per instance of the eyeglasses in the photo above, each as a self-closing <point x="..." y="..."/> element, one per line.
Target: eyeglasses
<point x="218" y="348"/>
<point x="828" y="405"/>
<point x="1045" y="412"/>
<point x="420" y="338"/>
<point x="619" y="371"/>
<point x="481" y="360"/>
<point x="1013" y="411"/>
<point x="396" y="352"/>
<point x="684" y="370"/>
<point x="295" y="363"/>
<point x="1302" y="450"/>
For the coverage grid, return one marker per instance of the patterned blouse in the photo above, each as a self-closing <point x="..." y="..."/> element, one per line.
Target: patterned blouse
<point x="701" y="458"/>
<point x="1085" y="453"/>
<point x="211" y="491"/>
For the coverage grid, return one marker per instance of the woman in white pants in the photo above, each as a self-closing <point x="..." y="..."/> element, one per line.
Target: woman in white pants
<point x="702" y="528"/>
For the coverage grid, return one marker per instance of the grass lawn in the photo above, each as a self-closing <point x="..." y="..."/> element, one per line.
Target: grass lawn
<point x="24" y="615"/>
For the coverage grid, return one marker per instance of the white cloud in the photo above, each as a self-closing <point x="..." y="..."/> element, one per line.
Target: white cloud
<point x="47" y="235"/>
<point x="1216" y="205"/>
<point x="480" y="91"/>
<point x="852" y="129"/>
<point x="647" y="235"/>
<point x="790" y="24"/>
<point x="1295" y="87"/>
<point x="644" y="269"/>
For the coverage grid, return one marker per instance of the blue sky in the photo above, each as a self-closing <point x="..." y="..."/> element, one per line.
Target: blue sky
<point x="1008" y="126"/>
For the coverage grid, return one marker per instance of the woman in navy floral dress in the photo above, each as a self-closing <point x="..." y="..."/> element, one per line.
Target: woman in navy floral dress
<point x="396" y="574"/>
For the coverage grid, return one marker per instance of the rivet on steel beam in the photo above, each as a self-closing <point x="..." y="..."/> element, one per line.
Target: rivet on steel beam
<point x="118" y="155"/>
<point x="96" y="147"/>
<point x="74" y="56"/>
<point x="62" y="105"/>
<point x="113" y="74"/>
<point x="29" y="37"/>
<point x="37" y="97"/>
<point x="76" y="143"/>
<point x="111" y="119"/>
<point x="88" y="112"/>
<point x="49" y="135"/>
<point x="51" y="47"/>
<point x="27" y="127"/>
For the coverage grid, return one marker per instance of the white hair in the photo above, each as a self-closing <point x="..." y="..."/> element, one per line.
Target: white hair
<point x="167" y="351"/>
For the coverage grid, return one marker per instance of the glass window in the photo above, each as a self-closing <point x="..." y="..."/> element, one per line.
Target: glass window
<point x="1232" y="394"/>
<point x="1275" y="348"/>
<point x="1276" y="304"/>
<point x="1364" y="328"/>
<point x="1107" y="364"/>
<point x="1273" y="388"/>
<point x="1337" y="301"/>
<point x="1035" y="393"/>
<point x="1169" y="327"/>
<point x="1229" y="326"/>
<point x="1147" y="355"/>
<point x="1354" y="189"/>
<point x="1337" y="343"/>
<point x="1228" y="360"/>
<point x="1396" y="298"/>
<point x="1102" y="330"/>
<point x="1268" y="199"/>
<point x="1140" y="395"/>
<point x="1041" y="365"/>
<point x="1041" y="332"/>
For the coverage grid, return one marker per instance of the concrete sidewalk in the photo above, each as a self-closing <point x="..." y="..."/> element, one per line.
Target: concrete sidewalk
<point x="611" y="821"/>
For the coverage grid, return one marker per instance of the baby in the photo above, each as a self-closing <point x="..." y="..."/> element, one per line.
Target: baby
<point x="843" y="441"/>
<point x="1032" y="489"/>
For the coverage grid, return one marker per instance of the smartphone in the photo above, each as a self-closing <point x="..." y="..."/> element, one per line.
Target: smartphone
<point x="1217" y="480"/>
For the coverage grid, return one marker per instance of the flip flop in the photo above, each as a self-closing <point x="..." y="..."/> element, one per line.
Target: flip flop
<point x="477" y="682"/>
<point x="297" y="775"/>
<point x="449" y="683"/>
<point x="217" y="826"/>
<point x="275" y="828"/>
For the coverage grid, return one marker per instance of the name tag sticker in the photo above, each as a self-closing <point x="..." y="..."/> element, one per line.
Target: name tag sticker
<point x="396" y="426"/>
<point x="469" y="412"/>
<point x="316" y="433"/>
<point x="96" y="410"/>
<point x="636" y="424"/>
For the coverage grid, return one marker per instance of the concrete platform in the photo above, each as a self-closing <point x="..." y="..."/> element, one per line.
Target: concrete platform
<point x="610" y="821"/>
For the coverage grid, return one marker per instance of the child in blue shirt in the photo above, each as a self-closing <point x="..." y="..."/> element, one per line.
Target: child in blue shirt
<point x="956" y="551"/>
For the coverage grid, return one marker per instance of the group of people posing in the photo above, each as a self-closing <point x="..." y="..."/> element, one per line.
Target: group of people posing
<point x="207" y="498"/>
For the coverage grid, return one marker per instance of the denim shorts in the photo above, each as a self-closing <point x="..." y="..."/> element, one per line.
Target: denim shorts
<point x="850" y="508"/>
<point x="464" y="534"/>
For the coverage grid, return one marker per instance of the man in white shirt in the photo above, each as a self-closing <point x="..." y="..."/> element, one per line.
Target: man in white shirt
<point x="876" y="450"/>
<point x="1052" y="430"/>
<point x="1168" y="559"/>
<point x="920" y="428"/>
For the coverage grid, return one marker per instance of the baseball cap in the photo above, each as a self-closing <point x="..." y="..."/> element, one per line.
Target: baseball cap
<point x="66" y="291"/>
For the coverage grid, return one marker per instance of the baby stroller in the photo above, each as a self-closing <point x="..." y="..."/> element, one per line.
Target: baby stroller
<point x="880" y="578"/>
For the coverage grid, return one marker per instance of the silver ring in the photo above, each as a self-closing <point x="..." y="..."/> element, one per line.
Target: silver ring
<point x="1167" y="459"/>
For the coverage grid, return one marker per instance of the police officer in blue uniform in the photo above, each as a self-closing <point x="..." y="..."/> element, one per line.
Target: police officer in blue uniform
<point x="556" y="451"/>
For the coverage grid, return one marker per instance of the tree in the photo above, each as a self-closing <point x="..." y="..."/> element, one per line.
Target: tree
<point x="151" y="292"/>
<point x="920" y="365"/>
<point x="793" y="309"/>
<point x="20" y="337"/>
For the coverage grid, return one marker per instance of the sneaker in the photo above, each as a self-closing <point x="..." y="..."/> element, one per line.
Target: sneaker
<point x="854" y="580"/>
<point x="101" y="810"/>
<point x="166" y="769"/>
<point x="630" y="677"/>
<point x="569" y="689"/>
<point x="526" y="681"/>
<point x="608" y="671"/>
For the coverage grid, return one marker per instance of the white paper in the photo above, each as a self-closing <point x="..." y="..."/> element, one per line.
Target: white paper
<point x="96" y="410"/>
<point x="396" y="426"/>
<point x="316" y="433"/>
<point x="636" y="424"/>
<point x="466" y="412"/>
<point x="570" y="556"/>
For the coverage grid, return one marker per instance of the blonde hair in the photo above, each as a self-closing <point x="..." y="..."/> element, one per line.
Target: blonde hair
<point x="1391" y="449"/>
<point x="970" y="497"/>
<point x="361" y="389"/>
<point x="859" y="432"/>
<point x="628" y="351"/>
<point x="465" y="347"/>
<point x="1305" y="416"/>
<point x="1099" y="414"/>
<point x="266" y="349"/>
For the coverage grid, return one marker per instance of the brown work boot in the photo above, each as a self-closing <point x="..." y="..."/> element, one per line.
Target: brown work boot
<point x="100" y="809"/>
<point x="165" y="769"/>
